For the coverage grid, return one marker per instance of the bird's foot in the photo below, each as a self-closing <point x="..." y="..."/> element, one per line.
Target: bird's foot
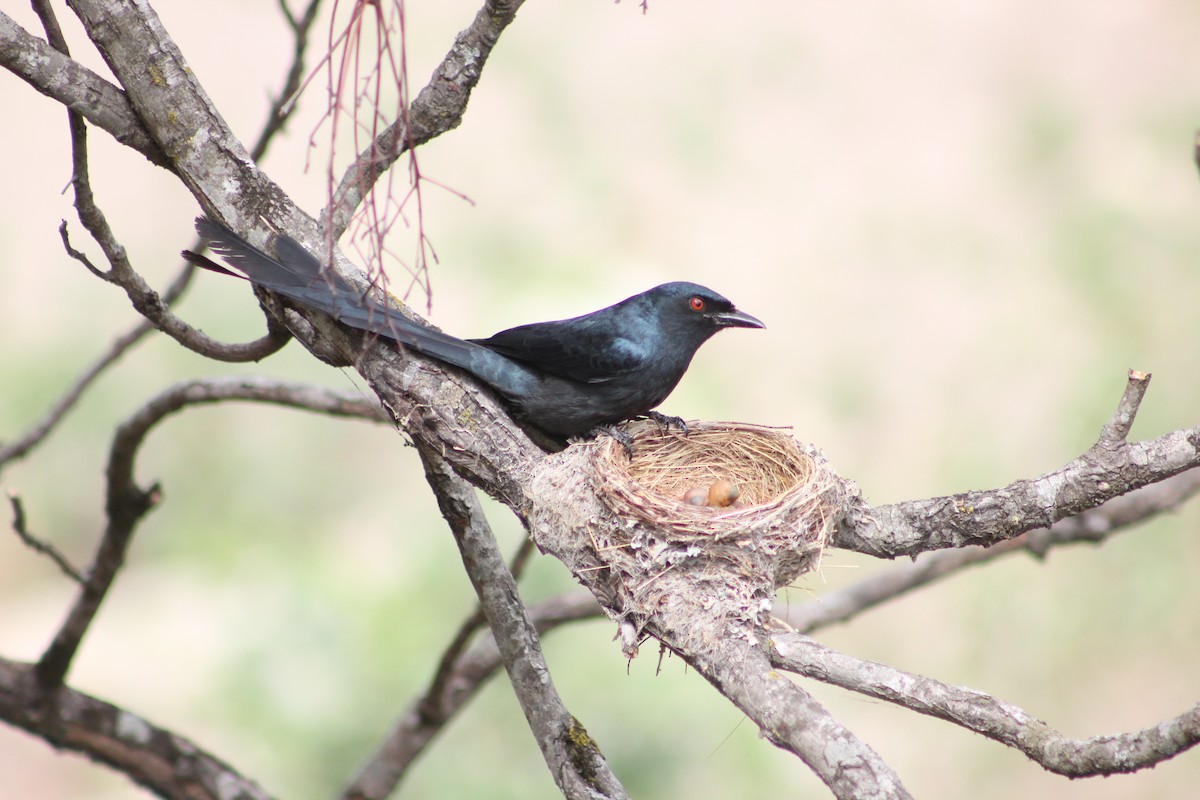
<point x="665" y="421"/>
<point x="622" y="437"/>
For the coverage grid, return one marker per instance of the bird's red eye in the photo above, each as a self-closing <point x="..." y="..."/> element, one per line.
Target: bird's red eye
<point x="697" y="303"/>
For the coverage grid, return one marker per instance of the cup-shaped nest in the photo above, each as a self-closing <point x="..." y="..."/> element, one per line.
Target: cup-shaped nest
<point x="787" y="497"/>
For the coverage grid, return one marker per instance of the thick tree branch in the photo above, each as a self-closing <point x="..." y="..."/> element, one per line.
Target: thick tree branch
<point x="1091" y="527"/>
<point x="786" y="715"/>
<point x="164" y="763"/>
<point x="574" y="759"/>
<point x="253" y="351"/>
<point x="56" y="75"/>
<point x="793" y="720"/>
<point x="1110" y="468"/>
<point x="979" y="712"/>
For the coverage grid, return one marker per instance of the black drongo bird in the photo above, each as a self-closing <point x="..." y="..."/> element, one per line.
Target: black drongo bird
<point x="565" y="378"/>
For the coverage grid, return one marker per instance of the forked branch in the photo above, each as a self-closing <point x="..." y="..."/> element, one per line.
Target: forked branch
<point x="982" y="713"/>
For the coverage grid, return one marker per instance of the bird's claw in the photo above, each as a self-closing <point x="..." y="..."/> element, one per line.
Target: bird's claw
<point x="622" y="437"/>
<point x="665" y="421"/>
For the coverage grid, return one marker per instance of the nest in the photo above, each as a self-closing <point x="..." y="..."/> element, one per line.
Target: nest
<point x="788" y="497"/>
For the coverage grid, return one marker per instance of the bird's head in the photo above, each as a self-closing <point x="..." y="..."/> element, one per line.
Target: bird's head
<point x="700" y="309"/>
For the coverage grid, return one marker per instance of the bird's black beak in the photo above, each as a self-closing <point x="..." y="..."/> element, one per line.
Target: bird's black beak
<point x="736" y="319"/>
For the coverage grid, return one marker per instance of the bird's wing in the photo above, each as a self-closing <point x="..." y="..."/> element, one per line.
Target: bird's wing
<point x="578" y="352"/>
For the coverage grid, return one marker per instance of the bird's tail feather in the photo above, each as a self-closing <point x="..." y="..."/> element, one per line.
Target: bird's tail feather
<point x="297" y="274"/>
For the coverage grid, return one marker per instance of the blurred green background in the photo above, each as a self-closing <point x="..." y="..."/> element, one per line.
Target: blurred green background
<point x="961" y="223"/>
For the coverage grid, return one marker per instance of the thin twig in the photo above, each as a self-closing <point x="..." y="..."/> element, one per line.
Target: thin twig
<point x="282" y="106"/>
<point x="42" y="428"/>
<point x="120" y="271"/>
<point x="439" y="107"/>
<point x="19" y="525"/>
<point x="146" y="300"/>
<point x="276" y="336"/>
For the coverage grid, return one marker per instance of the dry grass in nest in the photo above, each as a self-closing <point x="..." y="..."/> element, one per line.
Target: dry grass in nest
<point x="787" y="493"/>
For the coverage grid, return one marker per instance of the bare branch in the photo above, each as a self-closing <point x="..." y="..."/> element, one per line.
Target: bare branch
<point x="121" y="272"/>
<point x="1110" y="468"/>
<point x="164" y="763"/>
<point x="127" y="503"/>
<point x="1093" y="527"/>
<point x="793" y="720"/>
<point x="36" y="433"/>
<point x="1116" y="430"/>
<point x="146" y="300"/>
<point x="438" y="108"/>
<point x="56" y="75"/>
<point x="1097" y="524"/>
<point x="37" y="545"/>
<point x="454" y="684"/>
<point x="276" y="337"/>
<point x="979" y="712"/>
<point x="281" y="107"/>
<point x="574" y="759"/>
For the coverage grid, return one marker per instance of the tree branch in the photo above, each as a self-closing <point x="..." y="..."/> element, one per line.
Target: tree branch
<point x="574" y="759"/>
<point x="42" y="428"/>
<point x="57" y="76"/>
<point x="1110" y="468"/>
<point x="1092" y="527"/>
<point x="452" y="419"/>
<point x="147" y="301"/>
<point x="19" y="526"/>
<point x="127" y="503"/>
<point x="121" y="272"/>
<point x="979" y="712"/>
<point x="164" y="763"/>
<point x="254" y="351"/>
<point x="793" y="720"/>
<point x="439" y="108"/>
<point x="454" y="684"/>
<point x="282" y="106"/>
